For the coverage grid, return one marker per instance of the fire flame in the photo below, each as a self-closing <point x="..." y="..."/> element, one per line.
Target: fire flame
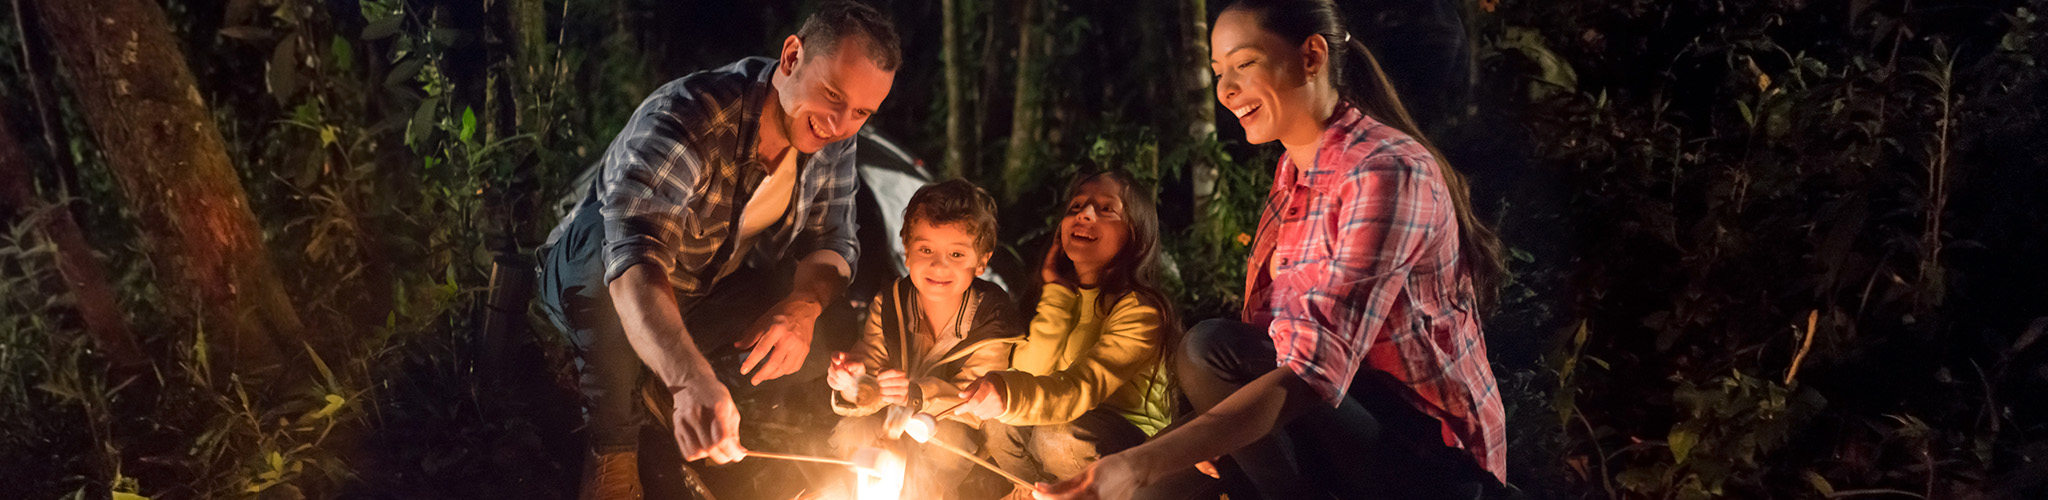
<point x="879" y="474"/>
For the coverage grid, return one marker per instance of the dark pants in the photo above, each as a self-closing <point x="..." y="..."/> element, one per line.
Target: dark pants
<point x="1373" y="445"/>
<point x="1049" y="453"/>
<point x="576" y="298"/>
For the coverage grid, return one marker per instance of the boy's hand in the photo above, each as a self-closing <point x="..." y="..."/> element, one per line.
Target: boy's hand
<point x="984" y="398"/>
<point x="844" y="376"/>
<point x="895" y="387"/>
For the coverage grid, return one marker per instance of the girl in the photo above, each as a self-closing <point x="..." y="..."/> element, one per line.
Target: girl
<point x="1089" y="379"/>
<point x="1358" y="369"/>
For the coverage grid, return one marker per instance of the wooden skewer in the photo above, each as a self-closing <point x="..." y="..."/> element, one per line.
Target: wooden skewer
<point x="800" y="458"/>
<point x="978" y="461"/>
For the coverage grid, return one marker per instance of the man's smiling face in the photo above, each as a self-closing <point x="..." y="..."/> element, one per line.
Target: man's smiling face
<point x="827" y="97"/>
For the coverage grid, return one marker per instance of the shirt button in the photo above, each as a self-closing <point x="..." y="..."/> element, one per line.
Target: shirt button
<point x="1292" y="211"/>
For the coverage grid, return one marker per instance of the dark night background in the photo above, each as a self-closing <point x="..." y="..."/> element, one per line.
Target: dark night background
<point x="1698" y="196"/>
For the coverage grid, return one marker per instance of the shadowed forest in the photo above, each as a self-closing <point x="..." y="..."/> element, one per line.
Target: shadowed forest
<point x="283" y="249"/>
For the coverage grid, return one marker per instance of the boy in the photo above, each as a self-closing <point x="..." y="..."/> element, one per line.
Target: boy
<point x="928" y="335"/>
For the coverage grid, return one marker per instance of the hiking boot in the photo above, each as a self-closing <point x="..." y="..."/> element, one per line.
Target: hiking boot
<point x="611" y="476"/>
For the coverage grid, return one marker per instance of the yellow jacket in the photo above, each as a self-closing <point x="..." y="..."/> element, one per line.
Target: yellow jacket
<point x="1076" y="358"/>
<point x="895" y="338"/>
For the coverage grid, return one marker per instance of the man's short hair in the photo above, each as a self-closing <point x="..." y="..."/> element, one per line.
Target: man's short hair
<point x="841" y="20"/>
<point x="954" y="202"/>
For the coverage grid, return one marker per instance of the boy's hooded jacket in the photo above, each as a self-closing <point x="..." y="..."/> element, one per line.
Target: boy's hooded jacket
<point x="937" y="370"/>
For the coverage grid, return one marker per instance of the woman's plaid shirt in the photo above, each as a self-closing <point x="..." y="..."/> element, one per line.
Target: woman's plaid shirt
<point x="1356" y="265"/>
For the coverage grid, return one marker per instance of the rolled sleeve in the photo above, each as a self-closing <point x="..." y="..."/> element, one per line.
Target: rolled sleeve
<point x="650" y="178"/>
<point x="831" y="225"/>
<point x="1328" y="311"/>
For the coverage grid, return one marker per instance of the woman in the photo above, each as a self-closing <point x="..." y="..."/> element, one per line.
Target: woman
<point x="1359" y="369"/>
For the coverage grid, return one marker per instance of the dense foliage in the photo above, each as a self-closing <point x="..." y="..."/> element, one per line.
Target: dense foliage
<point x="1778" y="249"/>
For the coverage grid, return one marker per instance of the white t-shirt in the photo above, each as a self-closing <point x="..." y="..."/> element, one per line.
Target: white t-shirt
<point x="769" y="202"/>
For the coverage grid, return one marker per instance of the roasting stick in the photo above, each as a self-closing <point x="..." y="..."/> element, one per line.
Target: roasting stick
<point x="800" y="458"/>
<point x="923" y="429"/>
<point x="984" y="463"/>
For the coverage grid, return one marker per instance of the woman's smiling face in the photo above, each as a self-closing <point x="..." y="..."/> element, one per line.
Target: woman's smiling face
<point x="1262" y="78"/>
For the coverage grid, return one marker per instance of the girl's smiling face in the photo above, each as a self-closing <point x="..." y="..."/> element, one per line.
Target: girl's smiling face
<point x="942" y="259"/>
<point x="1094" y="229"/>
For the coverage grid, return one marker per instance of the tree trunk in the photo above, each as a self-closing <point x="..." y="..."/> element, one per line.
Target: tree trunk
<point x="80" y="272"/>
<point x="986" y="87"/>
<point x="1025" y="117"/>
<point x="1197" y="102"/>
<point x="956" y="93"/>
<point x="139" y="98"/>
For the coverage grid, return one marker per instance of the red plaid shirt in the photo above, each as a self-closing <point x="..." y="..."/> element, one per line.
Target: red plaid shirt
<point x="1357" y="264"/>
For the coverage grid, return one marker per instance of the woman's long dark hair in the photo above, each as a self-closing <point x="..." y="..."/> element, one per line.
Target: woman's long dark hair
<point x="1137" y="267"/>
<point x="1369" y="90"/>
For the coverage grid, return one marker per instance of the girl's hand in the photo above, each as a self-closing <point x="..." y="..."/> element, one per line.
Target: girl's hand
<point x="984" y="398"/>
<point x="1049" y="271"/>
<point x="844" y="375"/>
<point x="895" y="387"/>
<point x="1110" y="478"/>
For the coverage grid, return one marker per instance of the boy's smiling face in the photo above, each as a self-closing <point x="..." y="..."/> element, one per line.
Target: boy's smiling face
<point x="942" y="259"/>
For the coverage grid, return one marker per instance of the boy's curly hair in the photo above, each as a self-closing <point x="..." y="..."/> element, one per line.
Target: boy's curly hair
<point x="954" y="202"/>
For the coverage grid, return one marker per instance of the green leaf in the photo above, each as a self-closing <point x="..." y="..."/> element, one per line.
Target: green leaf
<point x="1747" y="117"/>
<point x="1820" y="484"/>
<point x="246" y="33"/>
<point x="1682" y="439"/>
<point x="383" y="28"/>
<point x="468" y="123"/>
<point x="422" y="126"/>
<point x="284" y="69"/>
<point x="405" y="71"/>
<point x="344" y="53"/>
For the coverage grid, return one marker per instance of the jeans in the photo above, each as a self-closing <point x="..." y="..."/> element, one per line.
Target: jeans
<point x="573" y="294"/>
<point x="1049" y="453"/>
<point x="1373" y="445"/>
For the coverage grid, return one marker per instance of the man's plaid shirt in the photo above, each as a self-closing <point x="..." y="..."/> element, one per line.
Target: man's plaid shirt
<point x="1356" y="265"/>
<point x="676" y="178"/>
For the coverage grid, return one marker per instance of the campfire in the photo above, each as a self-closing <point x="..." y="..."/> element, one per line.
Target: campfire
<point x="879" y="472"/>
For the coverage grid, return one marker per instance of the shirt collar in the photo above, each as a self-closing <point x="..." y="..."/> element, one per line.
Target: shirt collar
<point x="1330" y="165"/>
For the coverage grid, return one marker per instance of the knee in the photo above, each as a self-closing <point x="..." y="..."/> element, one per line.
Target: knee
<point x="1211" y="345"/>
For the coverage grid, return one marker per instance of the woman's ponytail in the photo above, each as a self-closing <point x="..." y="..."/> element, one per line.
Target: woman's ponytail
<point x="1479" y="249"/>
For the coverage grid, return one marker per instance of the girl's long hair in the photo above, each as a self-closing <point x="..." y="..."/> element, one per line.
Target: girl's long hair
<point x="1479" y="249"/>
<point x="1137" y="268"/>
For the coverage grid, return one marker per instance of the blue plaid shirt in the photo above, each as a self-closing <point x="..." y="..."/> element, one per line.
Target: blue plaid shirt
<point x="675" y="180"/>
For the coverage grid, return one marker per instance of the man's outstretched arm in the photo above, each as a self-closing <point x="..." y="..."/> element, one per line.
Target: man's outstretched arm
<point x="706" y="421"/>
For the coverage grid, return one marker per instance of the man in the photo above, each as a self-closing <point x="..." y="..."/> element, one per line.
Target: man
<point x="727" y="189"/>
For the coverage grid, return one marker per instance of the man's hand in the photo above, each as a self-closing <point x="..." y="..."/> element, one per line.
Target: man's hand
<point x="895" y="387"/>
<point x="844" y="376"/>
<point x="780" y="339"/>
<point x="984" y="398"/>
<point x="1110" y="478"/>
<point x="707" y="424"/>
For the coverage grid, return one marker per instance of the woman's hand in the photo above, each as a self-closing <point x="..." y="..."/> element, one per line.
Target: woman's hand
<point x="844" y="376"/>
<point x="895" y="387"/>
<point x="1110" y="478"/>
<point x="984" y="398"/>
